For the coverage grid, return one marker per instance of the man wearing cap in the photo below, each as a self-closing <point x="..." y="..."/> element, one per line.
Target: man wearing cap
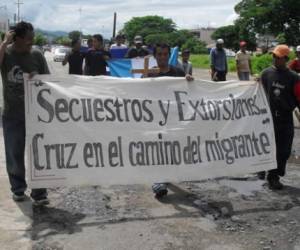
<point x="295" y="64"/>
<point x="282" y="88"/>
<point x="243" y="63"/>
<point x="137" y="50"/>
<point x="218" y="62"/>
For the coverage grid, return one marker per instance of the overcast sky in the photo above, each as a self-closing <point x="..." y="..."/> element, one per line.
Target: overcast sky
<point x="97" y="15"/>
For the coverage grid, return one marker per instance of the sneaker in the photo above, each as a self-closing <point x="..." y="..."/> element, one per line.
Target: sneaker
<point x="261" y="175"/>
<point x="160" y="190"/>
<point x="18" y="196"/>
<point x="275" y="184"/>
<point x="41" y="202"/>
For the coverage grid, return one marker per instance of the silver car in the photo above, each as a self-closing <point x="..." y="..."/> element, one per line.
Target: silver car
<point x="60" y="53"/>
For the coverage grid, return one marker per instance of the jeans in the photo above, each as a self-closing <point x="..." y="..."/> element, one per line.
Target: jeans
<point x="219" y="76"/>
<point x="284" y="134"/>
<point x="244" y="76"/>
<point x="14" y="141"/>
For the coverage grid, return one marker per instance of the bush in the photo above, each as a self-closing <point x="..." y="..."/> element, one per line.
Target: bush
<point x="259" y="63"/>
<point x="231" y="64"/>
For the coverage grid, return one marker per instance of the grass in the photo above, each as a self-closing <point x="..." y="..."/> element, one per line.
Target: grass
<point x="203" y="62"/>
<point x="259" y="63"/>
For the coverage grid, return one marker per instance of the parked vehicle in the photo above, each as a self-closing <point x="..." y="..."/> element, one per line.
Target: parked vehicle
<point x="59" y="54"/>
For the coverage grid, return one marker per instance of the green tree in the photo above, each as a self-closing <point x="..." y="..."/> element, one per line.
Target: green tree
<point x="179" y="37"/>
<point x="271" y="17"/>
<point x="62" y="40"/>
<point x="147" y="25"/>
<point x="229" y="34"/>
<point x="153" y="39"/>
<point x="281" y="38"/>
<point x="75" y="34"/>
<point x="195" y="46"/>
<point x="39" y="39"/>
<point x="233" y="34"/>
<point x="174" y="38"/>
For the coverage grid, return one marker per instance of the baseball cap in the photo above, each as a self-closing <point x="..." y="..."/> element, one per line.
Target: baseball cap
<point x="298" y="48"/>
<point x="242" y="43"/>
<point x="281" y="50"/>
<point x="220" y="41"/>
<point x="138" y="39"/>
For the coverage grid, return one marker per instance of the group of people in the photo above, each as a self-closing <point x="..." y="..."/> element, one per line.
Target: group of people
<point x="282" y="87"/>
<point x="219" y="65"/>
<point x="93" y="61"/>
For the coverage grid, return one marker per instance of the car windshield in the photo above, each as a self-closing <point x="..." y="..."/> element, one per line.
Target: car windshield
<point x="62" y="50"/>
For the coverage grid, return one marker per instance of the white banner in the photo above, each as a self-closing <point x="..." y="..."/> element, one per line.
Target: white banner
<point x="101" y="130"/>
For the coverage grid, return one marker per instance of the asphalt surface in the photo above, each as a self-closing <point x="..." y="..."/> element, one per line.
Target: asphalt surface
<point x="219" y="214"/>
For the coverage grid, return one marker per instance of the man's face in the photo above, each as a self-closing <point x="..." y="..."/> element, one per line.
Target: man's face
<point x="219" y="45"/>
<point x="97" y="44"/>
<point x="25" y="43"/>
<point x="138" y="44"/>
<point x="77" y="46"/>
<point x="279" y="62"/>
<point x="185" y="57"/>
<point x="162" y="57"/>
<point x="243" y="48"/>
<point x="119" y="40"/>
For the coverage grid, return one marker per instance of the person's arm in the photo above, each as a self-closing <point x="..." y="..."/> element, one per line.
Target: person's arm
<point x="65" y="61"/>
<point x="189" y="77"/>
<point x="128" y="54"/>
<point x="237" y="63"/>
<point x="226" y="63"/>
<point x="292" y="65"/>
<point x="45" y="68"/>
<point x="8" y="39"/>
<point x="106" y="55"/>
<point x="297" y="89"/>
<point x="212" y="63"/>
<point x="250" y="65"/>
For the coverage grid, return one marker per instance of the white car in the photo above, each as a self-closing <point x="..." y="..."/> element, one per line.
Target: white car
<point x="59" y="54"/>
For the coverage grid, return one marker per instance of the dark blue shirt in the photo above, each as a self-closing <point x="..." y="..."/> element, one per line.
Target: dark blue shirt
<point x="218" y="59"/>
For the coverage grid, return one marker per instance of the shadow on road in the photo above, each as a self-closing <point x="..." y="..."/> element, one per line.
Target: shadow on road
<point x="50" y="221"/>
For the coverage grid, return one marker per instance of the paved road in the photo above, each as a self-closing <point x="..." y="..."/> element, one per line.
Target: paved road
<point x="222" y="214"/>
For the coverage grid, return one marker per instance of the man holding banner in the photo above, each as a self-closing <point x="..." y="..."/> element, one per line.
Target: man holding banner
<point x="282" y="87"/>
<point x="96" y="58"/>
<point x="15" y="60"/>
<point x="161" y="53"/>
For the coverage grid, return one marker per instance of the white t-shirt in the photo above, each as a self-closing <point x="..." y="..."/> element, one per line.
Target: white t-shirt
<point x="243" y="61"/>
<point x="115" y="46"/>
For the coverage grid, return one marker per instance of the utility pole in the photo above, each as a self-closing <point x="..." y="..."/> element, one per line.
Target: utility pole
<point x="115" y="24"/>
<point x="18" y="10"/>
